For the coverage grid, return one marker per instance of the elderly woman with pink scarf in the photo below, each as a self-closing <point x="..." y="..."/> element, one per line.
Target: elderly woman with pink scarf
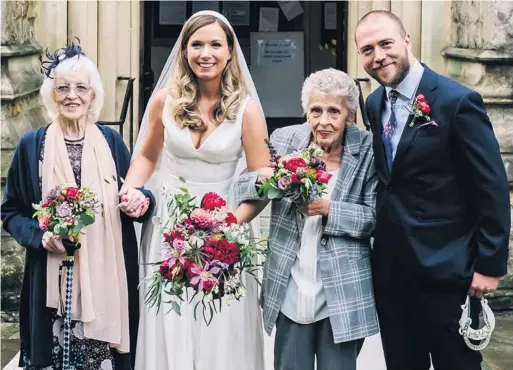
<point x="75" y="150"/>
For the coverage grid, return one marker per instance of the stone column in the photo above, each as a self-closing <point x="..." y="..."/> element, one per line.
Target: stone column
<point x="20" y="111"/>
<point x="480" y="56"/>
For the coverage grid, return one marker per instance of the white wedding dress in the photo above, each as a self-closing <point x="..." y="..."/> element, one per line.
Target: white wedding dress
<point x="234" y="338"/>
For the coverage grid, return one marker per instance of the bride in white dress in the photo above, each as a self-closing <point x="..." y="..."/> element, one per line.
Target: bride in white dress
<point x="205" y="127"/>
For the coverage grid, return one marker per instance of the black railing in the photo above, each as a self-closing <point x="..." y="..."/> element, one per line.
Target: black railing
<point x="128" y="102"/>
<point x="361" y="102"/>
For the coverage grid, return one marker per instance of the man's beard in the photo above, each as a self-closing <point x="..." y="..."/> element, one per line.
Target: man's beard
<point x="403" y="69"/>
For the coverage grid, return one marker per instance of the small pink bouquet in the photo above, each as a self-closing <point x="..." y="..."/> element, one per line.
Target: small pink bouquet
<point x="204" y="248"/>
<point x="67" y="210"/>
<point x="301" y="176"/>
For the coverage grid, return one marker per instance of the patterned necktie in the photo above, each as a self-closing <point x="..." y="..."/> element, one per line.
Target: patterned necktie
<point x="389" y="128"/>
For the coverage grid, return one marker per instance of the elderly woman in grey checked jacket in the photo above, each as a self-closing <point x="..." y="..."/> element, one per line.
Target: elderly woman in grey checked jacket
<point x="317" y="285"/>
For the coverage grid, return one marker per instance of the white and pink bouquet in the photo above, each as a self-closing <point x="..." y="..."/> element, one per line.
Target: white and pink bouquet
<point x="300" y="176"/>
<point x="205" y="249"/>
<point x="67" y="210"/>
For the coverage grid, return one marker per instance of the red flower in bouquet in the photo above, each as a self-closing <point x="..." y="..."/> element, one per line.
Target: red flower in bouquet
<point x="72" y="192"/>
<point x="222" y="251"/>
<point x="293" y="164"/>
<point x="212" y="201"/>
<point x="169" y="237"/>
<point x="230" y="219"/>
<point x="295" y="178"/>
<point x="174" y="271"/>
<point x="323" y="176"/>
<point x="209" y="285"/>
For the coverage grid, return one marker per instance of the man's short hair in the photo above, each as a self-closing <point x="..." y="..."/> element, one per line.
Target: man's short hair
<point x="387" y="14"/>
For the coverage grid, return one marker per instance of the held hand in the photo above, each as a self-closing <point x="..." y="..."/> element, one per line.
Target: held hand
<point x="482" y="284"/>
<point x="265" y="173"/>
<point x="317" y="207"/>
<point x="133" y="202"/>
<point x="52" y="243"/>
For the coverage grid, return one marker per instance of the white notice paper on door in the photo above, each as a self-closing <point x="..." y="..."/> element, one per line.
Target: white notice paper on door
<point x="268" y="21"/>
<point x="277" y="67"/>
<point x="277" y="53"/>
<point x="291" y="9"/>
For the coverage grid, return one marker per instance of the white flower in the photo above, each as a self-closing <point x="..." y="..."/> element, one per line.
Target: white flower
<point x="195" y="240"/>
<point x="240" y="293"/>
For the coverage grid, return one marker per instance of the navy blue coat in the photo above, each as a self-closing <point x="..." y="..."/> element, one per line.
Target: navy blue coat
<point x="443" y="211"/>
<point x="21" y="191"/>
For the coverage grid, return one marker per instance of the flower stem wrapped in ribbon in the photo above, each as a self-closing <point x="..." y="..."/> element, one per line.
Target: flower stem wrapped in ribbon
<point x="204" y="249"/>
<point x="302" y="176"/>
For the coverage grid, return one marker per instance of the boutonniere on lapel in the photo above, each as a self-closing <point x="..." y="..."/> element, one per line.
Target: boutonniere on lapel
<point x="420" y="109"/>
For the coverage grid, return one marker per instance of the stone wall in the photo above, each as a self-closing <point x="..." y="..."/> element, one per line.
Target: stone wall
<point x="20" y="111"/>
<point x="481" y="57"/>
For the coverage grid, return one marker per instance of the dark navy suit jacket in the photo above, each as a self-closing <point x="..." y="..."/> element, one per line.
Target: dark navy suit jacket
<point x="443" y="211"/>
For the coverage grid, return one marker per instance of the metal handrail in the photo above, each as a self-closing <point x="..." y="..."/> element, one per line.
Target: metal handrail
<point x="128" y="102"/>
<point x="361" y="102"/>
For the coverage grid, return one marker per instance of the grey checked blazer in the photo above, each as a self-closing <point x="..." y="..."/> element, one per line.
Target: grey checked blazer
<point x="344" y="248"/>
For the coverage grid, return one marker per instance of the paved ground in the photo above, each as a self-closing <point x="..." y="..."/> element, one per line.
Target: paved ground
<point x="497" y="356"/>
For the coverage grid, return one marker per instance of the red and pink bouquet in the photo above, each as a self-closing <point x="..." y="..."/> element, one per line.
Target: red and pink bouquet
<point x="67" y="210"/>
<point x="302" y="176"/>
<point x="205" y="249"/>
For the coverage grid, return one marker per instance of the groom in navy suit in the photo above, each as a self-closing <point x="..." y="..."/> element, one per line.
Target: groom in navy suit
<point x="443" y="209"/>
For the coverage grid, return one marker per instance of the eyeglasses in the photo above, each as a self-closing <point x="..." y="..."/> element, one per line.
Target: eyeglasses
<point x="64" y="90"/>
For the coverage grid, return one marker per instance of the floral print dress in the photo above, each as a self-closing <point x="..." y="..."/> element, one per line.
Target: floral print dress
<point x="86" y="354"/>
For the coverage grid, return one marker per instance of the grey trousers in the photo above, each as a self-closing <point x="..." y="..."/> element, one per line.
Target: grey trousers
<point x="296" y="346"/>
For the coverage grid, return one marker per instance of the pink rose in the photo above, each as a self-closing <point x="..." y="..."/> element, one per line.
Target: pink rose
<point x="424" y="107"/>
<point x="295" y="163"/>
<point x="421" y="98"/>
<point x="71" y="192"/>
<point x="323" y="176"/>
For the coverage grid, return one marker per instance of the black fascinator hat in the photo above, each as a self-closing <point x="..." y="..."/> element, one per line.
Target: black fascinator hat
<point x="68" y="51"/>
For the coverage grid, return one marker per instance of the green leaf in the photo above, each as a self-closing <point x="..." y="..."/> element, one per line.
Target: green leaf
<point x="176" y="307"/>
<point x="182" y="179"/>
<point x="86" y="219"/>
<point x="63" y="231"/>
<point x="185" y="190"/>
<point x="274" y="193"/>
<point x="195" y="310"/>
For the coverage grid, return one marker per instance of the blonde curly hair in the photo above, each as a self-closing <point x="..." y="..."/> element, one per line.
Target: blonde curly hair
<point x="183" y="86"/>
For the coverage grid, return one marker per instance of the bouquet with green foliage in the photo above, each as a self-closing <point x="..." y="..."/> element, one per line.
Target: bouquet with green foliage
<point x="67" y="210"/>
<point x="302" y="176"/>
